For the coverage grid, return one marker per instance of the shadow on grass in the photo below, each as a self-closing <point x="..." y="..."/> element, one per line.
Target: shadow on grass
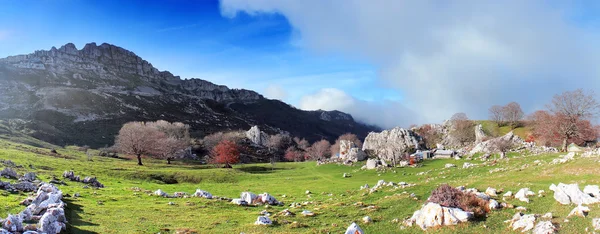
<point x="74" y="219"/>
<point x="260" y="169"/>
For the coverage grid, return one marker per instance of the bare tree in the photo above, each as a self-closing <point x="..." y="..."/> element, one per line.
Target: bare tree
<point x="570" y="108"/>
<point x="301" y="143"/>
<point x="462" y="128"/>
<point x="497" y="115"/>
<point x="319" y="149"/>
<point x="279" y="142"/>
<point x="170" y="146"/>
<point x="138" y="139"/>
<point x="512" y="114"/>
<point x="502" y="146"/>
<point x="335" y="148"/>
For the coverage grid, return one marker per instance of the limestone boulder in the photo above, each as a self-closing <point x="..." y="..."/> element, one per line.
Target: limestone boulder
<point x="435" y="215"/>
<point x="570" y="194"/>
<point x="391" y="145"/>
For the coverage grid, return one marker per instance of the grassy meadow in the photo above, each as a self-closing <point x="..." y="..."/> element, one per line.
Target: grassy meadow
<point x="122" y="208"/>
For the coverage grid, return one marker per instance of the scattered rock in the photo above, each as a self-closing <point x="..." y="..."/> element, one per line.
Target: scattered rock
<point x="581" y="211"/>
<point x="548" y="216"/>
<point x="521" y="221"/>
<point x="468" y="165"/>
<point x="286" y="213"/>
<point x="25" y="186"/>
<point x="569" y="193"/>
<point x="29" y="177"/>
<point x="523" y="194"/>
<point x="346" y="175"/>
<point x="450" y="165"/>
<point x="239" y="202"/>
<point x="544" y="227"/>
<point x="493" y="204"/>
<point x="307" y="213"/>
<point x="160" y="193"/>
<point x="202" y="193"/>
<point x="9" y="173"/>
<point x="263" y="220"/>
<point x="492" y="192"/>
<point x="171" y="203"/>
<point x="508" y="194"/>
<point x="354" y="229"/>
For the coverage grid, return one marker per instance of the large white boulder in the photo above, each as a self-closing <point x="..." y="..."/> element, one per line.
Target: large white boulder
<point x="596" y="224"/>
<point x="434" y="215"/>
<point x="592" y="190"/>
<point x="523" y="194"/>
<point x="570" y="194"/>
<point x="390" y="145"/>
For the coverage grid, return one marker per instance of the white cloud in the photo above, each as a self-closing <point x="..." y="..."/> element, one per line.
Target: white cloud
<point x="275" y="92"/>
<point x="447" y="57"/>
<point x="385" y="114"/>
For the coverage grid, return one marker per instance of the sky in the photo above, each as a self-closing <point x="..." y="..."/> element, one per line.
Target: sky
<point x="389" y="63"/>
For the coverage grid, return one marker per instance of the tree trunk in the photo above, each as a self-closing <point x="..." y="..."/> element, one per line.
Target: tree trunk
<point x="168" y="160"/>
<point x="502" y="155"/>
<point x="139" y="157"/>
<point x="564" y="145"/>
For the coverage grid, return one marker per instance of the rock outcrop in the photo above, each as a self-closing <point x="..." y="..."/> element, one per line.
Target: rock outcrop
<point x="46" y="207"/>
<point x="350" y="152"/>
<point x="391" y="145"/>
<point x="257" y="136"/>
<point x="490" y="146"/>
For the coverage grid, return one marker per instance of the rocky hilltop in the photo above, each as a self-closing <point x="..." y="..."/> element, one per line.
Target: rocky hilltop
<point x="72" y="96"/>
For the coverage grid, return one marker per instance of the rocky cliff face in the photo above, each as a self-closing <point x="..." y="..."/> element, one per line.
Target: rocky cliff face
<point x="71" y="96"/>
<point x="390" y="145"/>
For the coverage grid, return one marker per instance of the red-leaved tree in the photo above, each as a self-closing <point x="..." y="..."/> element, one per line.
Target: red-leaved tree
<point x="226" y="152"/>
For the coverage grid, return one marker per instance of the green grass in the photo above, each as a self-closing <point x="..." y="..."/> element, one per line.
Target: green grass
<point x="491" y="128"/>
<point x="125" y="211"/>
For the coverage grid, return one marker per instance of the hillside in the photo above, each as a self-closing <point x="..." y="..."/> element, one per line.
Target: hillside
<point x="125" y="206"/>
<point x="70" y="96"/>
<point x="492" y="129"/>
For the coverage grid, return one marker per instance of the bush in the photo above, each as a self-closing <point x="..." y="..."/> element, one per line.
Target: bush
<point x="447" y="196"/>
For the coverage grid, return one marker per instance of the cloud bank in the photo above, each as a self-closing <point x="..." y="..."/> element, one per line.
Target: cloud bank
<point x="447" y="57"/>
<point x="385" y="113"/>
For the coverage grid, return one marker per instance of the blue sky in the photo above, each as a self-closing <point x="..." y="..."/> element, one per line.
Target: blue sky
<point x="191" y="39"/>
<point x="389" y="63"/>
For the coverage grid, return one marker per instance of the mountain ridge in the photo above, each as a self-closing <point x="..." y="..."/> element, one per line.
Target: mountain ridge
<point x="71" y="96"/>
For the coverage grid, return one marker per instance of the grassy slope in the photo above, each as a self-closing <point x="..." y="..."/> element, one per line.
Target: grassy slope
<point x="490" y="127"/>
<point x="125" y="211"/>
